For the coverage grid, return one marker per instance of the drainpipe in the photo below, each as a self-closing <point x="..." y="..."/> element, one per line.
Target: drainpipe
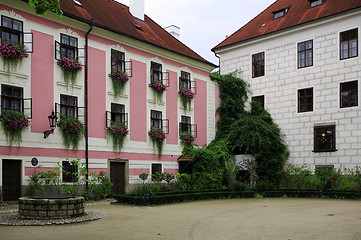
<point x="219" y="62"/>
<point x="91" y="24"/>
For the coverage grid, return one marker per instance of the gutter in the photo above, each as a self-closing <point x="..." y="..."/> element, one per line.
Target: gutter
<point x="279" y="30"/>
<point x="91" y="24"/>
<point x="135" y="38"/>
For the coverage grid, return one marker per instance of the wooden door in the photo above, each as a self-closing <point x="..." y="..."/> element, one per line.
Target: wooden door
<point x="11" y="180"/>
<point x="117" y="176"/>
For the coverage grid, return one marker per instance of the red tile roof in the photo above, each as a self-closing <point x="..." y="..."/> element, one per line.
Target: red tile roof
<point x="299" y="13"/>
<point x="116" y="17"/>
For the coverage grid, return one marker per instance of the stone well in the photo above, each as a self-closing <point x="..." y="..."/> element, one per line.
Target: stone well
<point x="51" y="206"/>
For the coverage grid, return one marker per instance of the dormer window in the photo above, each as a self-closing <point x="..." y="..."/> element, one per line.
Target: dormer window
<point x="315" y="3"/>
<point x="280" y="13"/>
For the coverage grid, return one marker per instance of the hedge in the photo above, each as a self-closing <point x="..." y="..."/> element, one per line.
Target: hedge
<point x="185" y="196"/>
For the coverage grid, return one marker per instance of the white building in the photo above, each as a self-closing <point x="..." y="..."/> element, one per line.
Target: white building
<point x="302" y="60"/>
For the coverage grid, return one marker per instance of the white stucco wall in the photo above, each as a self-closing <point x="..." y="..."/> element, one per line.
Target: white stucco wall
<point x="283" y="79"/>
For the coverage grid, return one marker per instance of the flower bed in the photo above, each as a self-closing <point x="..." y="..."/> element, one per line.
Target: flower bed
<point x="13" y="123"/>
<point x="12" y="53"/>
<point x="157" y="137"/>
<point x="186" y="95"/>
<point x="119" y="79"/>
<point x="72" y="131"/>
<point x="70" y="69"/>
<point x="117" y="132"/>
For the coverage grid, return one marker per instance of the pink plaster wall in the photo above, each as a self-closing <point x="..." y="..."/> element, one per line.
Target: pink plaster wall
<point x="200" y="112"/>
<point x="41" y="20"/>
<point x="172" y="108"/>
<point x="42" y="81"/>
<point x="97" y="92"/>
<point x="138" y="102"/>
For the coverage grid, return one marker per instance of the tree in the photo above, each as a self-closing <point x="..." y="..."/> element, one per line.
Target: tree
<point x="43" y="6"/>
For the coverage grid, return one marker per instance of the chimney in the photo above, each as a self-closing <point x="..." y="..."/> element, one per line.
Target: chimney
<point x="173" y="30"/>
<point x="136" y="8"/>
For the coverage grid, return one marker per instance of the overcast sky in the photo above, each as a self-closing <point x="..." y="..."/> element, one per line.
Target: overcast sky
<point x="203" y="23"/>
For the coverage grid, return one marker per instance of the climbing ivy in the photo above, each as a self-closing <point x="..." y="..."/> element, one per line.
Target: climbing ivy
<point x="242" y="129"/>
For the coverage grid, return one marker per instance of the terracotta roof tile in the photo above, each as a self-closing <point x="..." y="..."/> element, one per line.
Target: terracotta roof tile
<point x="116" y="17"/>
<point x="299" y="12"/>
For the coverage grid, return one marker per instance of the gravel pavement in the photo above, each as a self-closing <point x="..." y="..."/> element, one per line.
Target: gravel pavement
<point x="261" y="218"/>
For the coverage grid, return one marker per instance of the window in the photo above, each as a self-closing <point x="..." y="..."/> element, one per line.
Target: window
<point x="348" y="44"/>
<point x="280" y="13"/>
<point x="258" y="65"/>
<point x="70" y="171"/>
<point x="118" y="61"/>
<point x="68" y="46"/>
<point x="156" y="119"/>
<point x="324" y="138"/>
<point x="185" y="80"/>
<point x="118" y="113"/>
<point x="315" y="3"/>
<point x="12" y="98"/>
<point x="68" y="106"/>
<point x="185" y="125"/>
<point x="349" y="94"/>
<point x="305" y="50"/>
<point x="156" y="72"/>
<point x="11" y="30"/>
<point x="156" y="167"/>
<point x="260" y="99"/>
<point x="305" y="100"/>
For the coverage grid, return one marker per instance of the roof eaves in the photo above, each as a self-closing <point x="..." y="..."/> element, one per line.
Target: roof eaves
<point x="279" y="30"/>
<point x="130" y="36"/>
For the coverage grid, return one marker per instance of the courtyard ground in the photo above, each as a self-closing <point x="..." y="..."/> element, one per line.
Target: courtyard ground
<point x="261" y="218"/>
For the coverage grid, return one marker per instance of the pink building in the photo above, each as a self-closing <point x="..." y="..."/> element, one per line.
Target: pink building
<point x="117" y="39"/>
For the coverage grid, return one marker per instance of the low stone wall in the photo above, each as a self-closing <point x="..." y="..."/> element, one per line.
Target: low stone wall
<point x="51" y="208"/>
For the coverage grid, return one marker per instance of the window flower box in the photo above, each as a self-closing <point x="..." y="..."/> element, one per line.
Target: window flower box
<point x="117" y="132"/>
<point x="13" y="123"/>
<point x="70" y="68"/>
<point x="119" y="79"/>
<point x="157" y="137"/>
<point x="12" y="53"/>
<point x="186" y="95"/>
<point x="72" y="131"/>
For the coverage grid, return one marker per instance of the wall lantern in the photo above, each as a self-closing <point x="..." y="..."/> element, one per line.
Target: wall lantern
<point x="52" y="122"/>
